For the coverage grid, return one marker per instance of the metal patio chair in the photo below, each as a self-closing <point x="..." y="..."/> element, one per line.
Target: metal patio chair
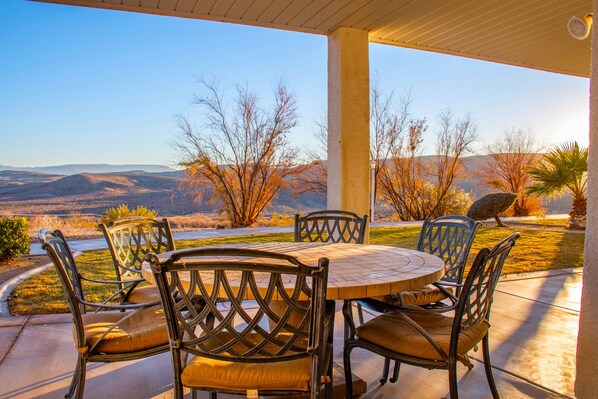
<point x="129" y="239"/>
<point x="246" y="356"/>
<point x="129" y="332"/>
<point x="450" y="238"/>
<point x="331" y="226"/>
<point x="427" y="337"/>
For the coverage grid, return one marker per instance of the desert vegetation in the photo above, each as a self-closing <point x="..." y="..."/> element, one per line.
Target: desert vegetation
<point x="14" y="240"/>
<point x="564" y="168"/>
<point x="507" y="168"/>
<point x="244" y="152"/>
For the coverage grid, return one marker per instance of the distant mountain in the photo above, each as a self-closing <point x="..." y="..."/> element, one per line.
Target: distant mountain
<point x="32" y="192"/>
<point x="26" y="193"/>
<point x="90" y="168"/>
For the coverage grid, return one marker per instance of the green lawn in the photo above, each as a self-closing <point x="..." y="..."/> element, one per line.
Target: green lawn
<point x="536" y="250"/>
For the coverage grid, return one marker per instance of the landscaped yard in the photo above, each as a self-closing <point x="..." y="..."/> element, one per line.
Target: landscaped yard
<point x="536" y="250"/>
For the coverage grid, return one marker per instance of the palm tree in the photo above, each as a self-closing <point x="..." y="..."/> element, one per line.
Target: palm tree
<point x="564" y="169"/>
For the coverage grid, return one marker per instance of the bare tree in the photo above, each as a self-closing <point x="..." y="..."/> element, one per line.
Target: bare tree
<point x="388" y="122"/>
<point x="510" y="159"/>
<point x="418" y="187"/>
<point x="314" y="176"/>
<point x="243" y="153"/>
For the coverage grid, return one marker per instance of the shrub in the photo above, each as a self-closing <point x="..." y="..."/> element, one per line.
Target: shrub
<point x="491" y="205"/>
<point x="14" y="237"/>
<point x="123" y="211"/>
<point x="282" y="220"/>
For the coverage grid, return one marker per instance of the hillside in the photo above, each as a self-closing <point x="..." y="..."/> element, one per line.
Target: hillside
<point x="32" y="192"/>
<point x="27" y="193"/>
<point x="74" y="169"/>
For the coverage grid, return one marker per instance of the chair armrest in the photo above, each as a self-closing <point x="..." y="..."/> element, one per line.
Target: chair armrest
<point x="441" y="286"/>
<point x="383" y="307"/>
<point x="111" y="281"/>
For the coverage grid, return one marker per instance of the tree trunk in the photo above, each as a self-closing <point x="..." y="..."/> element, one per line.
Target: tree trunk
<point x="577" y="216"/>
<point x="499" y="223"/>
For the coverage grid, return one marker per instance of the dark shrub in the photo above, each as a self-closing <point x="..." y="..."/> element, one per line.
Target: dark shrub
<point x="14" y="237"/>
<point x="489" y="206"/>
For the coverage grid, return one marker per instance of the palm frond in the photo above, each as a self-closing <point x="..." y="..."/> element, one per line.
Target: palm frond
<point x="562" y="168"/>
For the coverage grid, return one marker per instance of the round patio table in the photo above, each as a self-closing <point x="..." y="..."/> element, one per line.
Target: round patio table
<point x="355" y="270"/>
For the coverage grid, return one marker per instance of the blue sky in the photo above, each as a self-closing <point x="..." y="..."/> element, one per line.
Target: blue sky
<point x="81" y="85"/>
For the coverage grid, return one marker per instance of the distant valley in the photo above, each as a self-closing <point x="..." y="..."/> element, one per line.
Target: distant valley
<point x="90" y="189"/>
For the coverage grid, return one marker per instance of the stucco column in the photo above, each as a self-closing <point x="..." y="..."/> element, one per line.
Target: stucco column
<point x="348" y="120"/>
<point x="586" y="382"/>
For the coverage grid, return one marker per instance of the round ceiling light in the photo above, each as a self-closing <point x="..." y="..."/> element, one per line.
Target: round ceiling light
<point x="579" y="28"/>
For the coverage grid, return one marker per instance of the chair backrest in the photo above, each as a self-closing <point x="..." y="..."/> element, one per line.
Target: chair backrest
<point x="478" y="290"/>
<point x="55" y="244"/>
<point x="331" y="226"/>
<point x="203" y="278"/>
<point x="130" y="239"/>
<point x="449" y="237"/>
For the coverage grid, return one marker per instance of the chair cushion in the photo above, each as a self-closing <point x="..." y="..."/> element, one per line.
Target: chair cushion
<point x="424" y="296"/>
<point x="144" y="330"/>
<point x="144" y="295"/>
<point x="205" y="373"/>
<point x="392" y="332"/>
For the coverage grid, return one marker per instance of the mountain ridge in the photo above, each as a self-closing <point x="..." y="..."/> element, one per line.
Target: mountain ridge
<point x="35" y="192"/>
<point x="73" y="169"/>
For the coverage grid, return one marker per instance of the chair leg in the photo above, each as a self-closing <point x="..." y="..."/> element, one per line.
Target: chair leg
<point x="177" y="370"/>
<point x="488" y="367"/>
<point x="74" y="380"/>
<point x="81" y="382"/>
<point x="385" y="371"/>
<point x="452" y="369"/>
<point x="328" y="386"/>
<point x="213" y="395"/>
<point x="360" y="314"/>
<point x="347" y="366"/>
<point x="395" y="372"/>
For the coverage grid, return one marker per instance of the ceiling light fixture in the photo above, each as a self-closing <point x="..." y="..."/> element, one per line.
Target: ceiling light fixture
<point x="580" y="28"/>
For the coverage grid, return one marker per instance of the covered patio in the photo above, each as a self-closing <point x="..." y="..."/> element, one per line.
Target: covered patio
<point x="533" y="353"/>
<point x="530" y="34"/>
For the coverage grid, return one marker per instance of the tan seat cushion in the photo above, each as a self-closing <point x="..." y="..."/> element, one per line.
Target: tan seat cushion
<point x="293" y="375"/>
<point x="144" y="330"/>
<point x="144" y="295"/>
<point x="424" y="296"/>
<point x="391" y="331"/>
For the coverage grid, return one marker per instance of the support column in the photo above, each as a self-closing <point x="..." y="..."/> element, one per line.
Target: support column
<point x="586" y="381"/>
<point x="348" y="120"/>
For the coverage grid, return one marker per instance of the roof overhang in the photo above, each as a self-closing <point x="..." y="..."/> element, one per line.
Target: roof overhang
<point x="527" y="33"/>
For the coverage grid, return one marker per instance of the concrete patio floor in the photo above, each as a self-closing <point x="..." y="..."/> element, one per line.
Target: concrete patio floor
<point x="533" y="338"/>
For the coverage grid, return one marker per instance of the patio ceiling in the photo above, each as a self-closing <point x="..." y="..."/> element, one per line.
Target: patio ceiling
<point x="527" y="33"/>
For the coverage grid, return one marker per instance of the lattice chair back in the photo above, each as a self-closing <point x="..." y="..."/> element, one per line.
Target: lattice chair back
<point x="248" y="330"/>
<point x="331" y="226"/>
<point x="478" y="290"/>
<point x="449" y="237"/>
<point x="131" y="238"/>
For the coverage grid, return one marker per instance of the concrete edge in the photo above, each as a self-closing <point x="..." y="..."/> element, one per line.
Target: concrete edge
<point x="8" y="286"/>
